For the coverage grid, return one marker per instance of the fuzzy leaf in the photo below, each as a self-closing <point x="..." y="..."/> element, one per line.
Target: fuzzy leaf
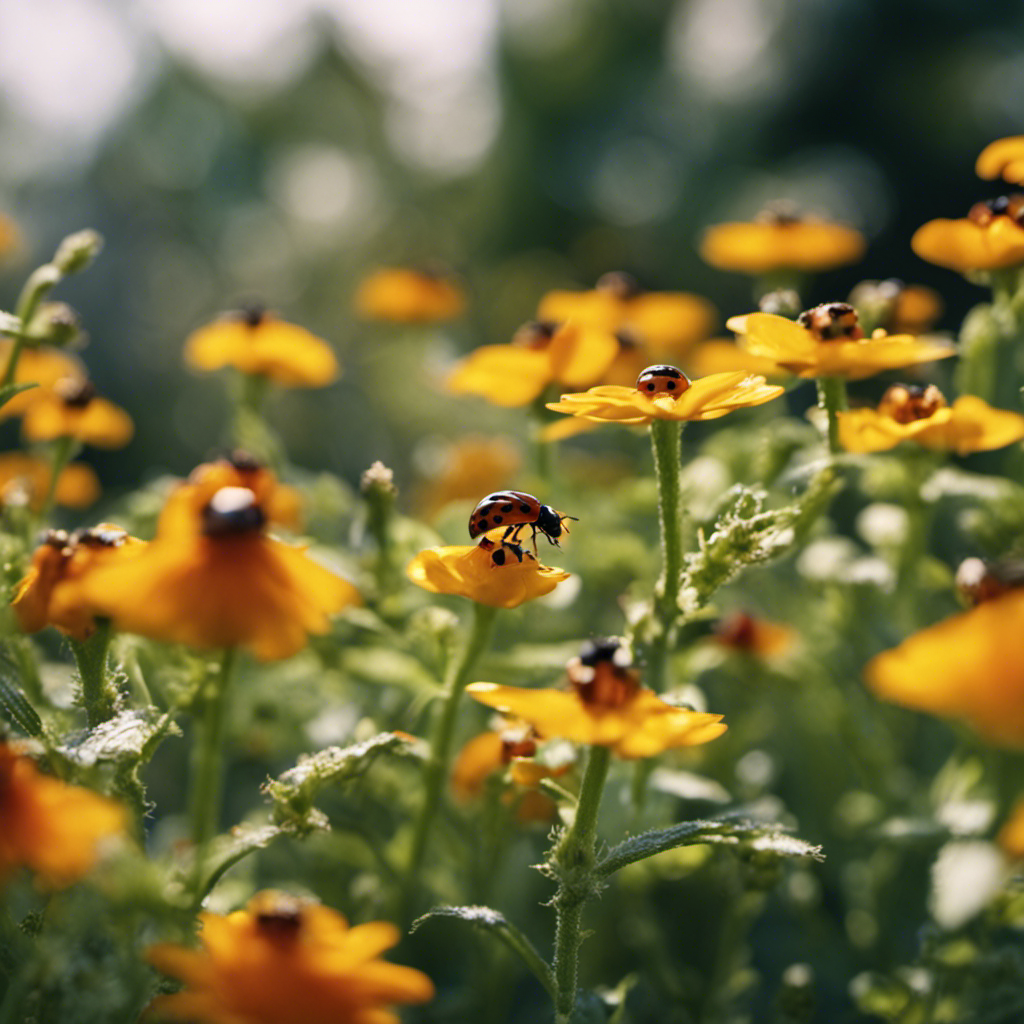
<point x="492" y="921"/>
<point x="16" y="708"/>
<point x="227" y="850"/>
<point x="128" y="736"/>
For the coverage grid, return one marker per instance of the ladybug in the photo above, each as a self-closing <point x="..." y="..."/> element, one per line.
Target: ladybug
<point x="662" y="380"/>
<point x="514" y="510"/>
<point x="501" y="550"/>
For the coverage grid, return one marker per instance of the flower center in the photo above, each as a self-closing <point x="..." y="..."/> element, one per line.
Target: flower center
<point x="1011" y="206"/>
<point x="979" y="581"/>
<point x="102" y="536"/>
<point x="602" y="676"/>
<point x="780" y="213"/>
<point x="517" y="743"/>
<point x="832" y="321"/>
<point x="279" y="917"/>
<point x="620" y="284"/>
<point x="907" y="403"/>
<point x="535" y="334"/>
<point x="662" y="380"/>
<point x="232" y="511"/>
<point x="738" y="631"/>
<point x="252" y="314"/>
<point x="76" y="394"/>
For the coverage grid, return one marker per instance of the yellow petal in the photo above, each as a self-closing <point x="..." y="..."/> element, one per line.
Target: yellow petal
<point x="1004" y="159"/>
<point x="581" y="355"/>
<point x="407" y="296"/>
<point x="761" y="247"/>
<point x="506" y="375"/>
<point x="727" y="357"/>
<point x="973" y="426"/>
<point x="964" y="245"/>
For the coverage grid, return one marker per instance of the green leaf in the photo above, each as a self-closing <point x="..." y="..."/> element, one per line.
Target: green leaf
<point x="227" y="850"/>
<point x="16" y="708"/>
<point x="755" y="837"/>
<point x="127" y="737"/>
<point x="491" y="920"/>
<point x="8" y="391"/>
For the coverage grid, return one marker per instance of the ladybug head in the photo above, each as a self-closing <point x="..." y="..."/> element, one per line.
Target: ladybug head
<point x="549" y="522"/>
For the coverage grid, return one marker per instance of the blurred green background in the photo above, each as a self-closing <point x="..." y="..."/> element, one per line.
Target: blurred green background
<point x="283" y="148"/>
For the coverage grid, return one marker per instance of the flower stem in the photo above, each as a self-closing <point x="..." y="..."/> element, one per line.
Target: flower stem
<point x="38" y="285"/>
<point x="832" y="398"/>
<point x="667" y="446"/>
<point x="442" y="735"/>
<point x="574" y="861"/>
<point x="63" y="451"/>
<point x="98" y="694"/>
<point x="207" y="762"/>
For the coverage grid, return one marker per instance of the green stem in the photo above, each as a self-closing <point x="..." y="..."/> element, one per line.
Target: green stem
<point x="666" y="443"/>
<point x="99" y="696"/>
<point x="832" y="398"/>
<point x="436" y="770"/>
<point x="253" y="394"/>
<point x="574" y="861"/>
<point x="64" y="449"/>
<point x="207" y="762"/>
<point x="38" y="285"/>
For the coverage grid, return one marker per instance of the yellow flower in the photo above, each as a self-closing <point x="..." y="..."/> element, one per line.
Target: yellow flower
<point x="23" y="477"/>
<point x="721" y="356"/>
<point x="54" y="829"/>
<point x="988" y="238"/>
<point x="10" y="237"/>
<point x="970" y="667"/>
<point x="44" y="366"/>
<point x="749" y="635"/>
<point x="212" y="577"/>
<point x="778" y="240"/>
<point x="281" y="503"/>
<point x="51" y="593"/>
<point x="706" y="398"/>
<point x="656" y="322"/>
<point x="489" y="573"/>
<point x="286" y="961"/>
<point x="827" y="342"/>
<point x="1010" y="838"/>
<point x="71" y="409"/>
<point x="256" y="342"/>
<point x="405" y="296"/>
<point x="540" y="354"/>
<point x="469" y="467"/>
<point x="1004" y="159"/>
<point x="913" y="413"/>
<point x="899" y="308"/>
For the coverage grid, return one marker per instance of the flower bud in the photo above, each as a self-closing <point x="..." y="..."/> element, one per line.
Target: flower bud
<point x="54" y="323"/>
<point x="781" y="302"/>
<point x="77" y="251"/>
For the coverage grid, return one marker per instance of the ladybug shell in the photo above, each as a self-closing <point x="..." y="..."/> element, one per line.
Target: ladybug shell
<point x="503" y="508"/>
<point x="662" y="380"/>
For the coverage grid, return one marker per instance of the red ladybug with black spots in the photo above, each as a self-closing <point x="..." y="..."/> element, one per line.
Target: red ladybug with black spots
<point x="515" y="510"/>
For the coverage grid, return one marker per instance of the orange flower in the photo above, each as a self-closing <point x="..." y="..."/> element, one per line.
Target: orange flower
<point x="748" y="635"/>
<point x="40" y="365"/>
<point x="1010" y="838"/>
<point x="468" y="467"/>
<point x="405" y="296"/>
<point x="281" y="503"/>
<point x="657" y="322"/>
<point x="607" y="707"/>
<point x="540" y="354"/>
<point x="707" y="398"/>
<point x="778" y="240"/>
<point x="23" y="477"/>
<point x="827" y="342"/>
<point x="913" y="413"/>
<point x="256" y="342"/>
<point x="490" y="573"/>
<point x="285" y="961"/>
<point x="51" y="593"/>
<point x="212" y="577"/>
<point x="1004" y="159"/>
<point x="71" y="409"/>
<point x="990" y="237"/>
<point x="9" y="234"/>
<point x="54" y="829"/>
<point x="970" y="667"/>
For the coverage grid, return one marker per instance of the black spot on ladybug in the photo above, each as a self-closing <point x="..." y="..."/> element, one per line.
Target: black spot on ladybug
<point x="525" y="508"/>
<point x="507" y="508"/>
<point x="482" y="523"/>
<point x="499" y="519"/>
<point x="650" y="387"/>
<point x="671" y="385"/>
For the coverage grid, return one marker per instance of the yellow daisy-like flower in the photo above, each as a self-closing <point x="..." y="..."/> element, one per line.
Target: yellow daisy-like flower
<point x="1004" y="159"/>
<point x="722" y="356"/>
<point x="71" y="409"/>
<point x="779" y="240"/>
<point x="990" y="237"/>
<point x="54" y="829"/>
<point x="827" y="342"/>
<point x="969" y="667"/>
<point x="213" y="577"/>
<point x="403" y="295"/>
<point x="490" y="573"/>
<point x="40" y="365"/>
<point x="749" y="635"/>
<point x="659" y="322"/>
<point x="256" y="342"/>
<point x="51" y="593"/>
<point x="23" y="477"/>
<point x="1010" y="838"/>
<point x="606" y="707"/>
<point x="286" y="961"/>
<point x="541" y="354"/>
<point x="469" y="467"/>
<point x="707" y="398"/>
<point x="914" y="413"/>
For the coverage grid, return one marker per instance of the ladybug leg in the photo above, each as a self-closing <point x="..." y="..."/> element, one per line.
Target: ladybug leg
<point x="508" y="531"/>
<point x="516" y="550"/>
<point x="533" y="538"/>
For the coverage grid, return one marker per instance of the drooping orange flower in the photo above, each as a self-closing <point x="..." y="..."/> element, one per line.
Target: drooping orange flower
<point x="24" y="478"/>
<point x="1004" y="159"/>
<point x="606" y="707"/>
<point x="213" y="577"/>
<point x="747" y="634"/>
<point x="910" y="412"/>
<point x="256" y="342"/>
<point x="40" y="365"/>
<point x="540" y="354"/>
<point x="990" y="237"/>
<point x="72" y="409"/>
<point x="827" y="341"/>
<point x="969" y="667"/>
<point x="51" y="593"/>
<point x="287" y="961"/>
<point x="55" y="830"/>
<point x="492" y="573"/>
<point x="779" y="240"/>
<point x="404" y="295"/>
